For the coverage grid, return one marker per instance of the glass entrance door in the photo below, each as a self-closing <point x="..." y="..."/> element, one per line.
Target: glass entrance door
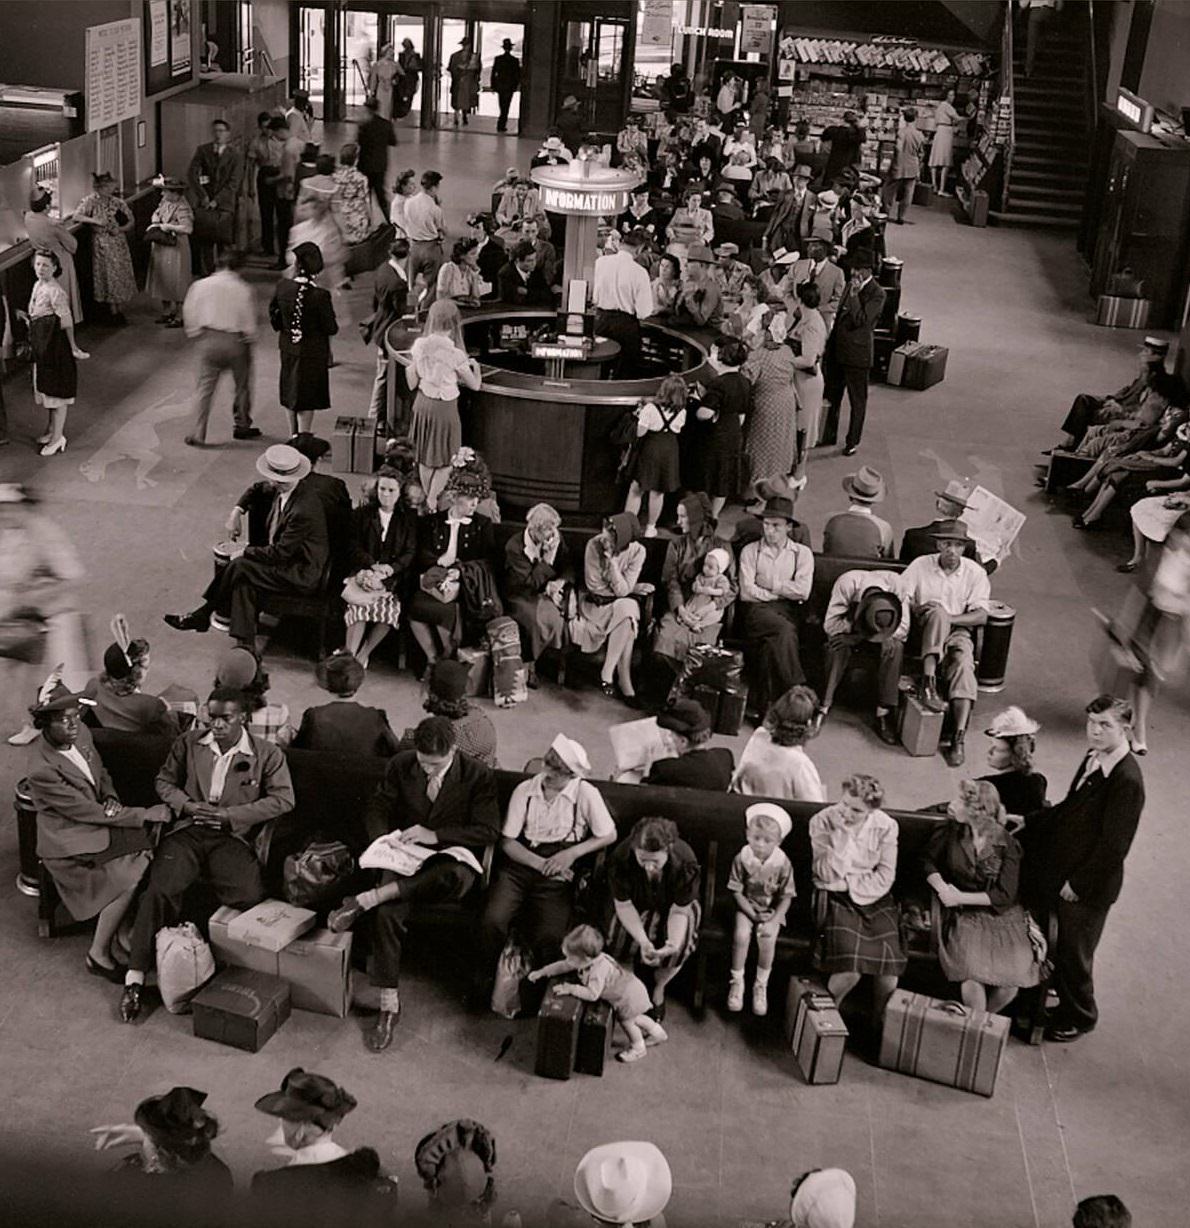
<point x="311" y="74"/>
<point x="365" y="35"/>
<point x="487" y="37"/>
<point x="593" y="68"/>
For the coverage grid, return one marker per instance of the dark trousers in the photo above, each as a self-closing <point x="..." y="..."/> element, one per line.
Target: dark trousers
<point x="855" y="381"/>
<point x="888" y="673"/>
<point x="439" y="881"/>
<point x="1080" y="926"/>
<point x="539" y="906"/>
<point x="284" y="214"/>
<point x="505" y="97"/>
<point x="1083" y="413"/>
<point x="234" y="594"/>
<point x="622" y="327"/>
<point x="376" y="181"/>
<point x="770" y="631"/>
<point x="266" y="202"/>
<point x="182" y="859"/>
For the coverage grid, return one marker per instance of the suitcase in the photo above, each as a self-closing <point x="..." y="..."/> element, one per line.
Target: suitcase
<point x="890" y="310"/>
<point x="594" y="1038"/>
<point x="479" y="662"/>
<point x="923" y="194"/>
<point x="900" y="357"/>
<point x="927" y="367"/>
<point x="981" y="204"/>
<point x="883" y="345"/>
<point x="920" y="729"/>
<point x="943" y="1042"/>
<point x="708" y="698"/>
<point x="733" y="700"/>
<point x="1064" y="468"/>
<point x="815" y="1030"/>
<point x="1115" y="311"/>
<point x="557" y="1034"/>
<point x="342" y="439"/>
<point x="363" y="446"/>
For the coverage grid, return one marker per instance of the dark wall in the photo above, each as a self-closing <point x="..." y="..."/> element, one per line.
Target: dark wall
<point x="43" y="42"/>
<point x="928" y="20"/>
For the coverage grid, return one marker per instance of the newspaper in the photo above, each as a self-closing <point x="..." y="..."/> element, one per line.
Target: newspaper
<point x="398" y="856"/>
<point x="993" y="524"/>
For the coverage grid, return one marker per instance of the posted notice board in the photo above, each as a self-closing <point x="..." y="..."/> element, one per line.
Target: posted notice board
<point x="113" y="73"/>
<point x="169" y="44"/>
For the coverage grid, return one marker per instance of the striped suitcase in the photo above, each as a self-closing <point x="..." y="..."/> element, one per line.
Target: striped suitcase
<point x="943" y="1042"/>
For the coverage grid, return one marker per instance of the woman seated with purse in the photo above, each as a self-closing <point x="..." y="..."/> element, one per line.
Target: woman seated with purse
<point x="385" y="539"/>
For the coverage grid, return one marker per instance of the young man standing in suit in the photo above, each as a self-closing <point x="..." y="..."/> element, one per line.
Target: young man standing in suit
<point x="223" y="785"/>
<point x="214" y="180"/>
<point x="849" y="352"/>
<point x="826" y="275"/>
<point x="697" y="765"/>
<point x="432" y="796"/>
<point x="1076" y="851"/>
<point x="292" y="561"/>
<point x="506" y="80"/>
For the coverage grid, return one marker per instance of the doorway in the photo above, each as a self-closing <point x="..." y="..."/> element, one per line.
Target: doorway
<point x="366" y="33"/>
<point x="594" y="70"/>
<point x="488" y="39"/>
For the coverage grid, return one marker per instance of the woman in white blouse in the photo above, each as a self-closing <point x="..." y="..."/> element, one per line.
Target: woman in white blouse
<point x="854" y="862"/>
<point x="459" y="279"/>
<point x="809" y="337"/>
<point x="774" y="763"/>
<point x="51" y="337"/>
<point x="406" y="186"/>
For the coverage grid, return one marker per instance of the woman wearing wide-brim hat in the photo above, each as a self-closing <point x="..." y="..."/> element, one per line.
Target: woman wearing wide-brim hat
<point x="110" y="219"/>
<point x="169" y="232"/>
<point x="303" y="316"/>
<point x="1013" y="741"/>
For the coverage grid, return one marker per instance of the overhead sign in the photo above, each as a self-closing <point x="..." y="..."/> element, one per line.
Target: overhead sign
<point x="657" y="23"/>
<point x="576" y="202"/>
<point x="113" y="73"/>
<point x="1134" y="109"/>
<point x="756" y="29"/>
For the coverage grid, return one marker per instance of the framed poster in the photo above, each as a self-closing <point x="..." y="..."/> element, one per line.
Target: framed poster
<point x="169" y="44"/>
<point x="113" y="73"/>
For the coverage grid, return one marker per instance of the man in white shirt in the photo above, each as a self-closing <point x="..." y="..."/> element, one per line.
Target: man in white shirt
<point x="219" y="313"/>
<point x="950" y="596"/>
<point x="866" y="608"/>
<point x="623" y="296"/>
<point x="776" y="575"/>
<point x="425" y="224"/>
<point x="827" y="276"/>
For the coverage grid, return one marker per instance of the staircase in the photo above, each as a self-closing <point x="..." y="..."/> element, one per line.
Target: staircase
<point x="1048" y="175"/>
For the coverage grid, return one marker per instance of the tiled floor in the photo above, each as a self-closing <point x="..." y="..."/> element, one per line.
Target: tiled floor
<point x="722" y="1099"/>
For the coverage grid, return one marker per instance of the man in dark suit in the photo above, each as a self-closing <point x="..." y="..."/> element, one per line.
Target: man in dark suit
<point x="375" y="136"/>
<point x="292" y="561"/>
<point x="697" y="766"/>
<point x="1074" y="857"/>
<point x="431" y="797"/>
<point x="224" y="786"/>
<point x="506" y="80"/>
<point x="214" y="180"/>
<point x="334" y="496"/>
<point x="849" y="352"/>
<point x="950" y="504"/>
<point x="825" y="274"/>
<point x="792" y="219"/>
<point x="521" y="282"/>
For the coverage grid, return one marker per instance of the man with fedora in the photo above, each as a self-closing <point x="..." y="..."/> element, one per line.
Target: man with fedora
<point x="569" y="123"/>
<point x="849" y="351"/>
<point x="698" y="765"/>
<point x="949" y="595"/>
<point x="730" y="273"/>
<point x="293" y="559"/>
<point x="858" y="533"/>
<point x="506" y="80"/>
<point x="950" y="504"/>
<point x="792" y="221"/>
<point x="224" y="786"/>
<point x="617" y="1183"/>
<point x="776" y="576"/>
<point x="866" y="607"/>
<point x="700" y="302"/>
<point x="332" y="492"/>
<point x="815" y="268"/>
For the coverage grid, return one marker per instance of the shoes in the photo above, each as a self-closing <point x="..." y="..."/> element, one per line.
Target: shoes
<point x="59" y="445"/>
<point x="735" y="996"/>
<point x="531" y="676"/>
<point x="1089" y="525"/>
<point x="165" y="319"/>
<point x="196" y="621"/>
<point x="173" y="322"/>
<point x="851" y="449"/>
<point x="760" y="1000"/>
<point x="246" y="432"/>
<point x="954" y="754"/>
<point x="1126" y="568"/>
<point x="1063" y="1034"/>
<point x="632" y="1055"/>
<point x="191" y="442"/>
<point x="927" y="692"/>
<point x="219" y="623"/>
<point x="818" y="720"/>
<point x="657" y="1013"/>
<point x="115" y="975"/>
<point x="130" y="1003"/>
<point x="650" y="531"/>
<point x="609" y="689"/>
<point x="345" y="916"/>
<point x="381" y="1035"/>
<point x="24" y="736"/>
<point x="886" y="728"/>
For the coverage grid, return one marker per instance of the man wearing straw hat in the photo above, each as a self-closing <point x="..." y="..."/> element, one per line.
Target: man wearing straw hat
<point x="617" y="1183"/>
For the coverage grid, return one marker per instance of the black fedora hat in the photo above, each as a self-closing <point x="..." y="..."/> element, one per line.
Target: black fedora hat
<point x="878" y="614"/>
<point x="305" y="1096"/>
<point x="176" y="1122"/>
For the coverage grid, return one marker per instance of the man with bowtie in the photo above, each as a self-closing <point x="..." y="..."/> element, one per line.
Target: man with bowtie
<point x="1074" y="859"/>
<point x="224" y="785"/>
<point x="434" y="797"/>
<point x="827" y="276"/>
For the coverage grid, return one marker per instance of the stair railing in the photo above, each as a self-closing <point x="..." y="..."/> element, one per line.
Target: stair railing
<point x="1007" y="91"/>
<point x="1093" y="98"/>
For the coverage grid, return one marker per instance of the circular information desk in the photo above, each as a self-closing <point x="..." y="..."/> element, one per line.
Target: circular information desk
<point x="546" y="438"/>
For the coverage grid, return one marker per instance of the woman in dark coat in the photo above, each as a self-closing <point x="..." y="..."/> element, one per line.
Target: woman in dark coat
<point x="344" y="727"/>
<point x="302" y="313"/>
<point x="537" y="570"/>
<point x="1020" y="786"/>
<point x="384" y="534"/>
<point x="715" y="432"/>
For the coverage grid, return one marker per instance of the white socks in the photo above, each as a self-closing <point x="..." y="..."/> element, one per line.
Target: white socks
<point x="390" y="1000"/>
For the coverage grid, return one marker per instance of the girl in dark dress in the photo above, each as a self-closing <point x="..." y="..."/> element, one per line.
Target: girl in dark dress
<point x="657" y="469"/>
<point x="1021" y="789"/>
<point x="716" y="433"/>
<point x="303" y="315"/>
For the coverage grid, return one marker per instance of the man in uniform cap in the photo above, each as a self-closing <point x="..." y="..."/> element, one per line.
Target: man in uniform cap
<point x="698" y="765"/>
<point x="949" y="594"/>
<point x="866" y="607"/>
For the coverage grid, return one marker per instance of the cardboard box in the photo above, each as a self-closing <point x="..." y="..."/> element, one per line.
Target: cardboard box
<point x="317" y="968"/>
<point x="1117" y="312"/>
<point x="919" y="727"/>
<point x="342" y="438"/>
<point x="241" y="1008"/>
<point x="272" y="925"/>
<point x="230" y="952"/>
<point x="926" y="367"/>
<point x="900" y="357"/>
<point x="815" y="1031"/>
<point x="944" y="1042"/>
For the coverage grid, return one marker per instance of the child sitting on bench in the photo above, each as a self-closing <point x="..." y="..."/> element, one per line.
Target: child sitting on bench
<point x="604" y="979"/>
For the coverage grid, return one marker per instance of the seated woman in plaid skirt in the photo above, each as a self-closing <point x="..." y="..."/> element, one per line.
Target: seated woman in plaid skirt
<point x="854" y="846"/>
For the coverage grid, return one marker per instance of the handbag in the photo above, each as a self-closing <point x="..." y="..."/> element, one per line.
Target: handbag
<point x="166" y="238"/>
<point x="23" y="636"/>
<point x="441" y="584"/>
<point x="213" y="225"/>
<point x="318" y="874"/>
<point x="371" y="251"/>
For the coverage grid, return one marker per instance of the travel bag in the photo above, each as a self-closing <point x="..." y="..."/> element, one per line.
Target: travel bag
<point x="815" y="1030"/>
<point x="594" y="1038"/>
<point x="926" y="367"/>
<point x="557" y="1033"/>
<point x="920" y="727"/>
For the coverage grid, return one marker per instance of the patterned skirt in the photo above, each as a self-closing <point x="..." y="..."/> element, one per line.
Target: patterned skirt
<point x="622" y="946"/>
<point x="385" y="609"/>
<point x="863" y="938"/>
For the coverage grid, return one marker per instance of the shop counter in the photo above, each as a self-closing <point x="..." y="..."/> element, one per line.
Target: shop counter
<point x="545" y="437"/>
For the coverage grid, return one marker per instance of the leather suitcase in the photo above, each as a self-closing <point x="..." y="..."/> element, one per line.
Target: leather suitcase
<point x="1114" y="311"/>
<point x="732" y="702"/>
<point x="899" y="360"/>
<point x="815" y="1030"/>
<point x="708" y="698"/>
<point x="363" y="446"/>
<point x="557" y="1034"/>
<point x="920" y="729"/>
<point x="594" y="1038"/>
<point x="1064" y="468"/>
<point x="943" y="1042"/>
<point x="342" y="439"/>
<point x="926" y="368"/>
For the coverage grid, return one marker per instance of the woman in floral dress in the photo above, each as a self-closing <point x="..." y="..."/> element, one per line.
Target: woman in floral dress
<point x="350" y="201"/>
<point x="110" y="219"/>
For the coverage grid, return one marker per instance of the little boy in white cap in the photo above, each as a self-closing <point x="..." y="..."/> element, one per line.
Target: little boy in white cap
<point x="761" y="880"/>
